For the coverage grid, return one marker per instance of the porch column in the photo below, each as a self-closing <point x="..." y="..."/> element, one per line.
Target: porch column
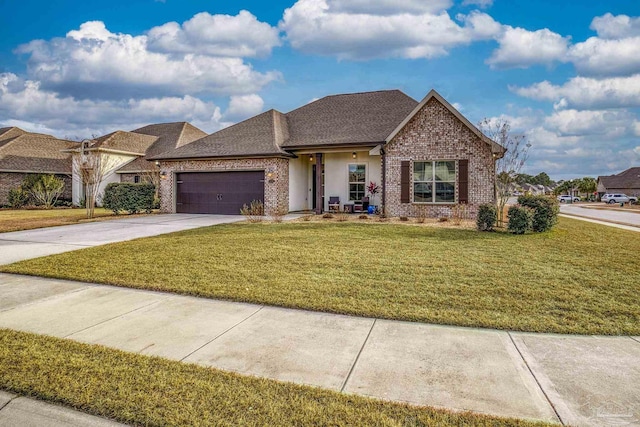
<point x="319" y="189"/>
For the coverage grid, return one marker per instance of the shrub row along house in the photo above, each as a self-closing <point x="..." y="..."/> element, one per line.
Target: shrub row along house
<point x="425" y="156"/>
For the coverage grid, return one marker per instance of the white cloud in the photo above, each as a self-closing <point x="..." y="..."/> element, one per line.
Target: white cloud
<point x="480" y="3"/>
<point x="609" y="26"/>
<point x="410" y="29"/>
<point x="611" y="123"/>
<point x="243" y="106"/>
<point x="598" y="56"/>
<point x="26" y="103"/>
<point x="520" y="48"/>
<point x="587" y="92"/>
<point x="92" y="61"/>
<point x="388" y="7"/>
<point x="218" y="35"/>
<point x="636" y="128"/>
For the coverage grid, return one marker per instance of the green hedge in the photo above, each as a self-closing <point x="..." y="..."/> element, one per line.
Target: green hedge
<point x="545" y="211"/>
<point x="520" y="219"/>
<point x="487" y="217"/>
<point x="127" y="197"/>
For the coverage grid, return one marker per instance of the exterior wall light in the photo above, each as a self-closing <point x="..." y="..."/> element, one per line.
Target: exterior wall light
<point x="353" y="155"/>
<point x="163" y="175"/>
<point x="311" y="157"/>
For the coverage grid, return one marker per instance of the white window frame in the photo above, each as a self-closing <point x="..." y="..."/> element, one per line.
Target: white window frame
<point x="433" y="182"/>
<point x="349" y="182"/>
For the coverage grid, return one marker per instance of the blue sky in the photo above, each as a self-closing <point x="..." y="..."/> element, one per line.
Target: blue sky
<point x="565" y="73"/>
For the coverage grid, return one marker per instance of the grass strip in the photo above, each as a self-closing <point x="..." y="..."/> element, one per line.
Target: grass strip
<point x="580" y="278"/>
<point x="28" y="219"/>
<point x="151" y="391"/>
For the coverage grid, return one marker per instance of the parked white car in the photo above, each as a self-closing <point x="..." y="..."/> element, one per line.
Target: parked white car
<point x="565" y="198"/>
<point x="612" y="198"/>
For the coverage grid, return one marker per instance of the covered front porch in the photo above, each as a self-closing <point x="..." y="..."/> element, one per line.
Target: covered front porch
<point x="341" y="175"/>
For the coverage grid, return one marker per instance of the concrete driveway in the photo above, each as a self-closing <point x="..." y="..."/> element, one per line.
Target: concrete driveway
<point x="21" y="245"/>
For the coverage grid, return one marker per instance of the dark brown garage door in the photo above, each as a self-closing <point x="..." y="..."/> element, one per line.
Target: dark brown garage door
<point x="217" y="192"/>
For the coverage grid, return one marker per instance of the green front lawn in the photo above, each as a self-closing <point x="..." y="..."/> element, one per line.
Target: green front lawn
<point x="151" y="391"/>
<point x="27" y="219"/>
<point x="579" y="278"/>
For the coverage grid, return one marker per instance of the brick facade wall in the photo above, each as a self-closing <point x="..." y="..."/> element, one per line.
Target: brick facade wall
<point x="12" y="180"/>
<point x="436" y="134"/>
<point x="276" y="193"/>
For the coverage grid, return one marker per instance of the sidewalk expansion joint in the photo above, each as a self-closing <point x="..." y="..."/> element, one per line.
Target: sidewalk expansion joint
<point x="222" y="333"/>
<point x="355" y="362"/>
<point x="635" y="339"/>
<point x="9" y="401"/>
<point x="47" y="243"/>
<point x="49" y="298"/>
<point x="536" y="379"/>
<point x="113" y="318"/>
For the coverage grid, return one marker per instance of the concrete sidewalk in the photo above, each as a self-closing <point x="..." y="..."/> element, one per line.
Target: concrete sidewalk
<point x="25" y="412"/>
<point x="577" y="380"/>
<point x="21" y="245"/>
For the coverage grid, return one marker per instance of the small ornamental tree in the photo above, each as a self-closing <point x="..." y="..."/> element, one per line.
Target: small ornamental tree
<point x="46" y="190"/>
<point x="373" y="189"/>
<point x="508" y="167"/>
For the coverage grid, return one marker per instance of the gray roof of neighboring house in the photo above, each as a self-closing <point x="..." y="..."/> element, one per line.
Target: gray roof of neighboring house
<point x="22" y="151"/>
<point x="169" y="137"/>
<point x="261" y="135"/>
<point x="629" y="178"/>
<point x="355" y="118"/>
<point x="129" y="142"/>
<point x="336" y="120"/>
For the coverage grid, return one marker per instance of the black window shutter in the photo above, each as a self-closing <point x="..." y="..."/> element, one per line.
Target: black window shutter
<point x="405" y="181"/>
<point x="463" y="181"/>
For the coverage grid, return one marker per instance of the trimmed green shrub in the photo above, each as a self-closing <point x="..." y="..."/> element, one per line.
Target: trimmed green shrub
<point x="487" y="217"/>
<point x="545" y="214"/>
<point x="520" y="219"/>
<point x="17" y="197"/>
<point x="127" y="197"/>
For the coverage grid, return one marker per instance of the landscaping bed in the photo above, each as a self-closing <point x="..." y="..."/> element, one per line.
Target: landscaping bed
<point x="150" y="391"/>
<point x="580" y="278"/>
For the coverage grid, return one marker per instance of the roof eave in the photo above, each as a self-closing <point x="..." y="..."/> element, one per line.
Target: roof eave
<point x="225" y="157"/>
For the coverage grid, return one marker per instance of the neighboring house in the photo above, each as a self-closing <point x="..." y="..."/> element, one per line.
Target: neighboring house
<point x="627" y="182"/>
<point x="123" y="154"/>
<point x="426" y="156"/>
<point x="23" y="153"/>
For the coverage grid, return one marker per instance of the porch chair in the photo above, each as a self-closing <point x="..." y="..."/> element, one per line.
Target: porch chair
<point x="334" y="204"/>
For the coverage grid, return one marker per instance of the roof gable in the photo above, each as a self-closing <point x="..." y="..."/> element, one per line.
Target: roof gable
<point x="257" y="136"/>
<point x="495" y="147"/>
<point x="127" y="142"/>
<point x="170" y="136"/>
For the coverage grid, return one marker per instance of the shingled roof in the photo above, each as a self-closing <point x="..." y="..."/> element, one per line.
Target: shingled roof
<point x="22" y="151"/>
<point x="261" y="135"/>
<point x="169" y="137"/>
<point x="348" y="119"/>
<point x="128" y="142"/>
<point x="629" y="178"/>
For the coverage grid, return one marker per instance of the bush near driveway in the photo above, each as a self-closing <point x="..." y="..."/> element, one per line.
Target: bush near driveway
<point x="520" y="219"/>
<point x="577" y="278"/>
<point x="128" y="197"/>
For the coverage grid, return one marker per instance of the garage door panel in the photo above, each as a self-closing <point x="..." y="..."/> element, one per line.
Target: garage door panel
<point x="218" y="192"/>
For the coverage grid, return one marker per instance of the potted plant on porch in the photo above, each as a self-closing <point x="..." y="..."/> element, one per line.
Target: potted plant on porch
<point x="373" y="189"/>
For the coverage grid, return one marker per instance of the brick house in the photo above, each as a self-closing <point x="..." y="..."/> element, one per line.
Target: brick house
<point x="425" y="155"/>
<point x="23" y="153"/>
<point x="627" y="182"/>
<point x="124" y="154"/>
